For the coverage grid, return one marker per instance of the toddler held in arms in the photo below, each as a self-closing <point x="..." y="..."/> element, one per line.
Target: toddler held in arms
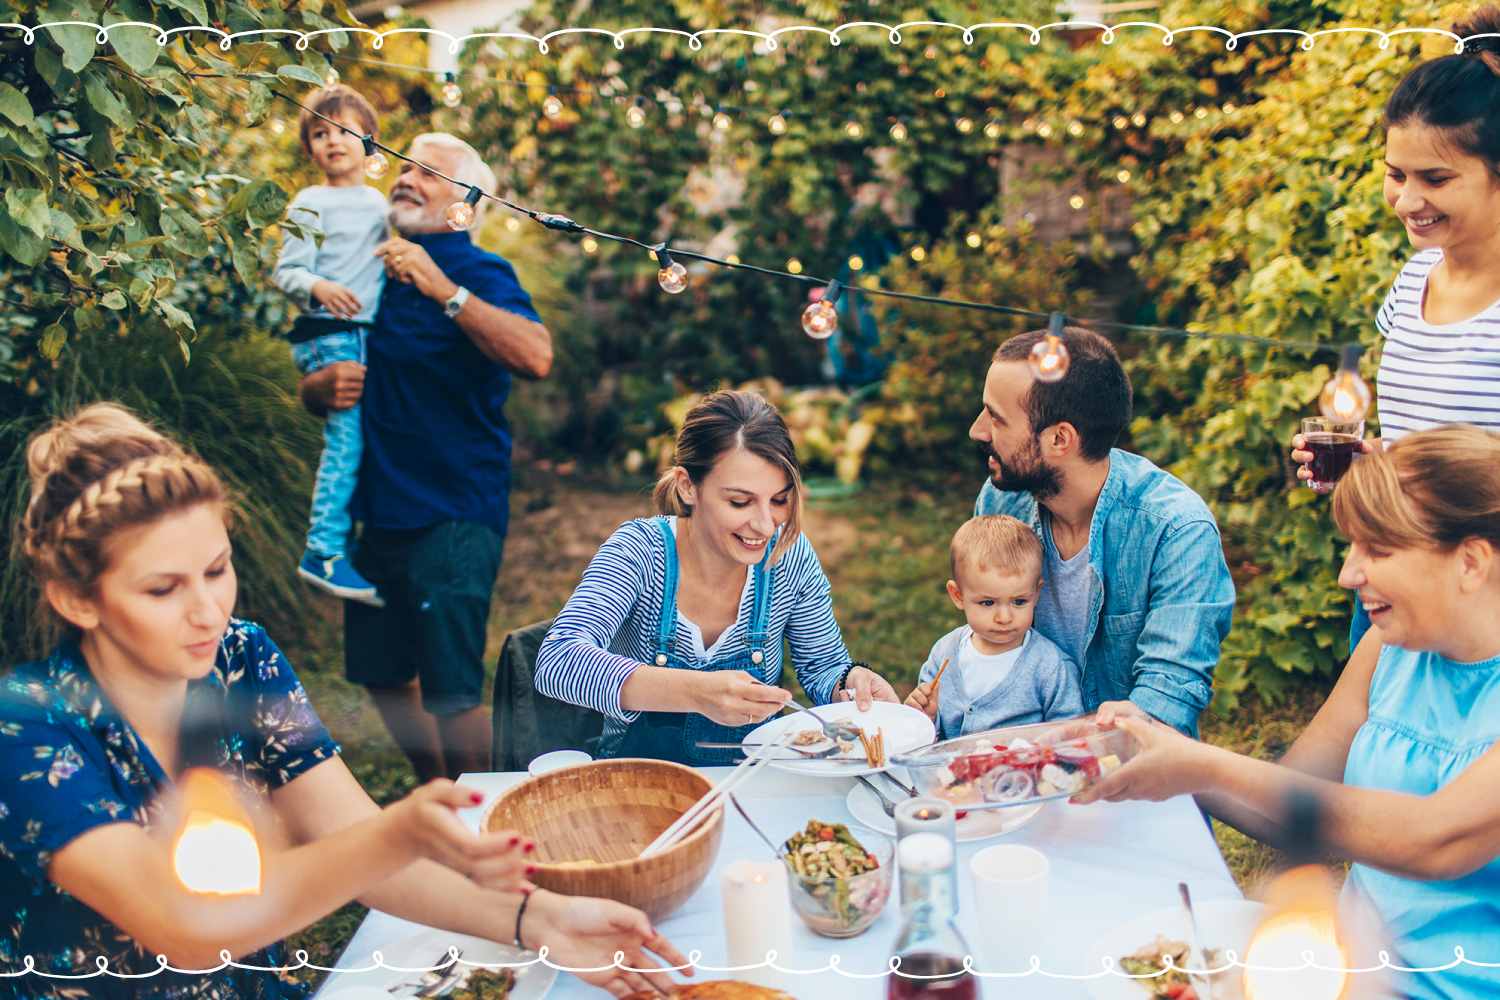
<point x="1003" y="672"/>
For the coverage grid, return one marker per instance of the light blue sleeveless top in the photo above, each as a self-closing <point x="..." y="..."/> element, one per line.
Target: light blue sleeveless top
<point x="1430" y="718"/>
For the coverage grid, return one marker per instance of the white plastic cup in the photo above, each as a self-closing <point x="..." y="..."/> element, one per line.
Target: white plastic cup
<point x="555" y="760"/>
<point x="1010" y="894"/>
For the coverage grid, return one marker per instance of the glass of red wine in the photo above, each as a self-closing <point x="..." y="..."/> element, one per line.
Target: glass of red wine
<point x="1334" y="445"/>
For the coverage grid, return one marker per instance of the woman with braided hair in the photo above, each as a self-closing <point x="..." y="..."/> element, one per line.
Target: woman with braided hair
<point x="126" y="533"/>
<point x="1440" y="362"/>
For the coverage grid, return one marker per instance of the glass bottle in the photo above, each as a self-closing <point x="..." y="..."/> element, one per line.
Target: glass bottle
<point x="929" y="945"/>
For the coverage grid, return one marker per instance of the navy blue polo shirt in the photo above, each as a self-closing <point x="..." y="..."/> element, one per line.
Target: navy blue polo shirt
<point x="437" y="445"/>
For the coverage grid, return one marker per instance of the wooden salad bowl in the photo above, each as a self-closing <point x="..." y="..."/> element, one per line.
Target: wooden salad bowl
<point x="607" y="811"/>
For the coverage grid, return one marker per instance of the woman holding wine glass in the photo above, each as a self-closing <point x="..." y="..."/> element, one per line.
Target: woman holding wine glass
<point x="1441" y="320"/>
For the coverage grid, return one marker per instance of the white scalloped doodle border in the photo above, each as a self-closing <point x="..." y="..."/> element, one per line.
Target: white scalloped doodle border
<point x="695" y="38"/>
<point x="834" y="965"/>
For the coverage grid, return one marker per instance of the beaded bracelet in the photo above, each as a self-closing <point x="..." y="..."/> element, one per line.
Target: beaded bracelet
<point x="843" y="684"/>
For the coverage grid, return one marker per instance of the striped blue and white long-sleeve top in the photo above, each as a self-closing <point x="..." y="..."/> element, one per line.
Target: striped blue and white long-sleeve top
<point x="1431" y="375"/>
<point x="608" y="627"/>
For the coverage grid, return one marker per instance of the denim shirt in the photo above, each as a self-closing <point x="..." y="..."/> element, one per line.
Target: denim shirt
<point x="1160" y="598"/>
<point x="1042" y="686"/>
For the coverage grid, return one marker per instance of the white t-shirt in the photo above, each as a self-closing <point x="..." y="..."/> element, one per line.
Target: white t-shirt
<point x="983" y="672"/>
<point x="694" y="632"/>
<point x="1431" y="375"/>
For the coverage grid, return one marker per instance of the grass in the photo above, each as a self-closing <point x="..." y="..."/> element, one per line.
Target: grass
<point x="886" y="554"/>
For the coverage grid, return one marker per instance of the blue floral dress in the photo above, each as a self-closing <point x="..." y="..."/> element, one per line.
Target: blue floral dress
<point x="69" y="762"/>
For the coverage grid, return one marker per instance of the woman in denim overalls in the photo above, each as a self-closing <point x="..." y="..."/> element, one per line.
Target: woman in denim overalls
<point x="676" y="631"/>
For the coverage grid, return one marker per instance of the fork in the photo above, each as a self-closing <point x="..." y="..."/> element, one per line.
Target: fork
<point x="885" y="803"/>
<point x="846" y="731"/>
<point x="736" y="746"/>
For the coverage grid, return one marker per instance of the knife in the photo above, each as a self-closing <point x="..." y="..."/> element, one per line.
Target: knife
<point x="1196" y="957"/>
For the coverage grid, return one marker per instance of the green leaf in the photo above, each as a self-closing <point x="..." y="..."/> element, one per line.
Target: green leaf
<point x="135" y="45"/>
<point x="189" y="237"/>
<point x="242" y="253"/>
<point x="76" y="41"/>
<point x="195" y="9"/>
<point x="267" y="205"/>
<point x="177" y="319"/>
<point x="87" y="319"/>
<point x="14" y="105"/>
<point x="21" y="243"/>
<point x="49" y="65"/>
<point x="114" y="299"/>
<point x="258" y="103"/>
<point x="292" y="71"/>
<point x="53" y="339"/>
<point x="28" y="207"/>
<point x="97" y="86"/>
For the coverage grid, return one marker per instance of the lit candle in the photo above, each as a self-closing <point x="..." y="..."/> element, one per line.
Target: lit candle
<point x="215" y="850"/>
<point x="758" y="919"/>
<point x="925" y="816"/>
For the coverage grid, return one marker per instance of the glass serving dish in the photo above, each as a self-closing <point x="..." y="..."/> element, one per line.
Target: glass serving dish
<point x="1017" y="764"/>
<point x="841" y="906"/>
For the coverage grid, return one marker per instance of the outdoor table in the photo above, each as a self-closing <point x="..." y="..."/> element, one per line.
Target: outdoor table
<point x="1110" y="862"/>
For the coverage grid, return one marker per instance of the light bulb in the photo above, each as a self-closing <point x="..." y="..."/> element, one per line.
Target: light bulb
<point x="1044" y="130"/>
<point x="794" y="266"/>
<point x="332" y="77"/>
<point x="918" y="254"/>
<point x="856" y="263"/>
<point x="1120" y="121"/>
<point x="1049" y="359"/>
<point x="1076" y="201"/>
<point x="278" y="126"/>
<point x="1176" y="117"/>
<point x="551" y="106"/>
<point x="1200" y="113"/>
<point x="964" y="125"/>
<point x="732" y="259"/>
<point x="973" y="239"/>
<point x="453" y="96"/>
<point x="635" y="116"/>
<point x="1138" y="120"/>
<point x="376" y="165"/>
<point x="1346" y="397"/>
<point x="512" y="224"/>
<point x="777" y="124"/>
<point x="992" y="130"/>
<point x="821" y="318"/>
<point x="1123" y="176"/>
<point x="1229" y="109"/>
<point x="930" y="52"/>
<point x="722" y="121"/>
<point x="590" y="244"/>
<point x="460" y="214"/>
<point x="672" y="279"/>
<point x="1075" y="128"/>
<point x="898" y="132"/>
<point x="853" y="129"/>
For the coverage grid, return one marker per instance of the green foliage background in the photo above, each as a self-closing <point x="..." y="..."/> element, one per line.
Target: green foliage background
<point x="143" y="192"/>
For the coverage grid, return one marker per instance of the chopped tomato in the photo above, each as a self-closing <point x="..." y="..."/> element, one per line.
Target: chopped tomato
<point x="826" y="833"/>
<point x="959" y="815"/>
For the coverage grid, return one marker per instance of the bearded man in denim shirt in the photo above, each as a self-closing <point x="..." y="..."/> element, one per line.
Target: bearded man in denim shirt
<point x="1135" y="586"/>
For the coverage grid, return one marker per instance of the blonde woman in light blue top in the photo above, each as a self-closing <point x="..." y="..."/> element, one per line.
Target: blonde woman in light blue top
<point x="1402" y="756"/>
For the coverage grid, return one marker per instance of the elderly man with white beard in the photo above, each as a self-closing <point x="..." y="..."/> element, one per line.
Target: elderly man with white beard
<point x="454" y="326"/>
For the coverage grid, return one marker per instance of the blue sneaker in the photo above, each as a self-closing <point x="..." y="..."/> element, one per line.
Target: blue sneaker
<point x="335" y="575"/>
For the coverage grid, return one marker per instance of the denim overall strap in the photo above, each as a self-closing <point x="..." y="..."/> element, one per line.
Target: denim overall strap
<point x="674" y="735"/>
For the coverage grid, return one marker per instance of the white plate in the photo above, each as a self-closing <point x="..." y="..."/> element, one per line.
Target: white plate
<point x="427" y="949"/>
<point x="905" y="730"/>
<point x="1222" y="923"/>
<point x="865" y="807"/>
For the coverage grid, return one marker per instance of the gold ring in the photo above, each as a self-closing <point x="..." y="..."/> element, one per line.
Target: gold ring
<point x="399" y="259"/>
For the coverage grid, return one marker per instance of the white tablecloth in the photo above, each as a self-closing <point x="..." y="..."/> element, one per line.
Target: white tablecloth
<point x="1110" y="862"/>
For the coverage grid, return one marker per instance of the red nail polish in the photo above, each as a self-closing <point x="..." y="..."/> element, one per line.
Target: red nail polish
<point x="530" y="869"/>
<point x="514" y="841"/>
<point x="526" y="890"/>
<point x="528" y="847"/>
<point x="476" y="798"/>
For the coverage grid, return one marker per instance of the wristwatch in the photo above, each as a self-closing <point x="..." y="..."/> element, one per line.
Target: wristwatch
<point x="455" y="305"/>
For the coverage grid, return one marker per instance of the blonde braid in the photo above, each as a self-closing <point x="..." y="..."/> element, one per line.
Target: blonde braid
<point x="98" y="473"/>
